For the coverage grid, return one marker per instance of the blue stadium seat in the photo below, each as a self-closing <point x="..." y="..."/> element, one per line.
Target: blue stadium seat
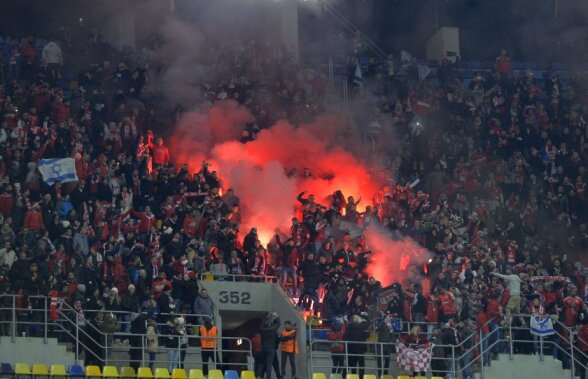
<point x="75" y="370"/>
<point x="467" y="74"/>
<point x="6" y="369"/>
<point x="538" y="75"/>
<point x="231" y="374"/>
<point x="321" y="334"/>
<point x="474" y="64"/>
<point x="516" y="65"/>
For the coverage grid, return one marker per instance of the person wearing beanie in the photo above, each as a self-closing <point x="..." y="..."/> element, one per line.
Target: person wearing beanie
<point x="130" y="303"/>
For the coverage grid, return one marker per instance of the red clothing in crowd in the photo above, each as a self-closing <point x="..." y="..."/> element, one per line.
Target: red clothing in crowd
<point x="34" y="220"/>
<point x="572" y="308"/>
<point x="503" y="65"/>
<point x="493" y="311"/>
<point x="190" y="226"/>
<point x="482" y="322"/>
<point x="146" y="222"/>
<point x="447" y="304"/>
<point x="160" y="152"/>
<point x="582" y="338"/>
<point x="432" y="310"/>
<point x="6" y="204"/>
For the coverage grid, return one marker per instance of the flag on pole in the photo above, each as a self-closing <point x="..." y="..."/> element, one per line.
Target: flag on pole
<point x="414" y="359"/>
<point x="58" y="169"/>
<point x="424" y="71"/>
<point x="358" y="77"/>
<point x="405" y="57"/>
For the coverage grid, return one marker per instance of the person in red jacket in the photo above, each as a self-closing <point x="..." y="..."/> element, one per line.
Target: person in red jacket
<point x="494" y="315"/>
<point x="146" y="220"/>
<point x="432" y="316"/>
<point x="34" y="219"/>
<point x="159" y="150"/>
<point x="483" y="327"/>
<point x="448" y="307"/>
<point x="190" y="225"/>
<point x="573" y="305"/>
<point x="28" y="54"/>
<point x="502" y="64"/>
<point x="6" y="201"/>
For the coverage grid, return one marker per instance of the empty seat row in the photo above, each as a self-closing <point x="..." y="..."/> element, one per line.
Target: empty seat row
<point x="39" y="369"/>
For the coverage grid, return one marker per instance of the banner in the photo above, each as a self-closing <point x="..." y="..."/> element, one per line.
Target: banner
<point x="541" y="326"/>
<point x="384" y="297"/>
<point x="411" y="359"/>
<point x="58" y="169"/>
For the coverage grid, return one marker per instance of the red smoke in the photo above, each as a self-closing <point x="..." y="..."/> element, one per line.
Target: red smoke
<point x="261" y="172"/>
<point x="390" y="257"/>
<point x="199" y="131"/>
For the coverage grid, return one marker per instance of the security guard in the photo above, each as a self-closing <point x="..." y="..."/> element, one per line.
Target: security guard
<point x="208" y="343"/>
<point x="289" y="347"/>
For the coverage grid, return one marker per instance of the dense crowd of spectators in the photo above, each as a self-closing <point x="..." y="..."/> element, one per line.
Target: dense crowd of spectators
<point x="500" y="202"/>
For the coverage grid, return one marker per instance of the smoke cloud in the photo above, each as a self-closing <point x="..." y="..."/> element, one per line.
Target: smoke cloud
<point x="267" y="173"/>
<point x="200" y="130"/>
<point x="392" y="256"/>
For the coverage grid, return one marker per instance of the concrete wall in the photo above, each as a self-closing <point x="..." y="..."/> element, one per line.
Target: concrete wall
<point x="119" y="29"/>
<point x="259" y="297"/>
<point x="445" y="40"/>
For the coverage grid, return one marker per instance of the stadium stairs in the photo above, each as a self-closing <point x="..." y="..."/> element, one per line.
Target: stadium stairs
<point x="33" y="350"/>
<point x="527" y="367"/>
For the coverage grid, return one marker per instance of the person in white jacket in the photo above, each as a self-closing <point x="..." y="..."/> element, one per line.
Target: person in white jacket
<point x="513" y="282"/>
<point x="52" y="59"/>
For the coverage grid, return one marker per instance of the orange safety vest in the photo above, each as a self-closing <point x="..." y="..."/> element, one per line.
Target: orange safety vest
<point x="206" y="342"/>
<point x="290" y="345"/>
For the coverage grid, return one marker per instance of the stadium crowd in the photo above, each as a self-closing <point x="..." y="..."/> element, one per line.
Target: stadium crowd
<point x="500" y="202"/>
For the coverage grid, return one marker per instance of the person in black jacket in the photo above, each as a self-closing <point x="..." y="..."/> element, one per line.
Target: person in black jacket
<point x="357" y="332"/>
<point x="166" y="305"/>
<point x="288" y="261"/>
<point x="310" y="272"/>
<point x="331" y="309"/>
<point x="269" y="343"/>
<point x="138" y="329"/>
<point x="419" y="303"/>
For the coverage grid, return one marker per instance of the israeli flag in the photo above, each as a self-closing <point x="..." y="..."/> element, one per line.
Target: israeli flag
<point x="58" y="169"/>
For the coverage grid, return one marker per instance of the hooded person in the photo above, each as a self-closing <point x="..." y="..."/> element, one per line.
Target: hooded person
<point x="139" y="322"/>
<point x="269" y="339"/>
<point x="357" y="332"/>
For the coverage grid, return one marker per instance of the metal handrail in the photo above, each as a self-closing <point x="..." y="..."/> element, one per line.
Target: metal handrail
<point x="265" y="278"/>
<point x="452" y="362"/>
<point x="82" y="337"/>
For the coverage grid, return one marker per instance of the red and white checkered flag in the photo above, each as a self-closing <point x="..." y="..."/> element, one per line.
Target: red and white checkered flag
<point x="410" y="359"/>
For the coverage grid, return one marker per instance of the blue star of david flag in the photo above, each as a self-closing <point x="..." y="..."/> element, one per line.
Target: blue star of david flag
<point x="58" y="169"/>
